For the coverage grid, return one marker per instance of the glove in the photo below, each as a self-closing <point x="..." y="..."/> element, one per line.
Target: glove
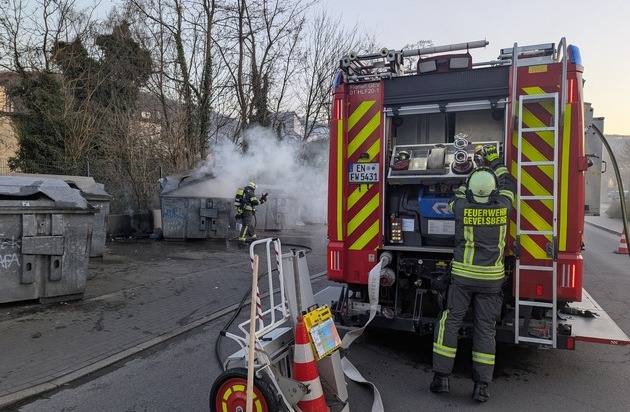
<point x="264" y="197"/>
<point x="490" y="153"/>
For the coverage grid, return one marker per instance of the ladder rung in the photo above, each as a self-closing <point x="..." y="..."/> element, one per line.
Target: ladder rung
<point x="537" y="232"/>
<point x="534" y="267"/>
<point x="538" y="129"/>
<point x="539" y="163"/>
<point x="538" y="97"/>
<point x="536" y="198"/>
<point x="550" y="47"/>
<point x="537" y="304"/>
<point x="535" y="340"/>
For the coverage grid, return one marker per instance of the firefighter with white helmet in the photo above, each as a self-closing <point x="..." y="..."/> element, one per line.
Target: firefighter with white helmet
<point x="482" y="215"/>
<point x="246" y="202"/>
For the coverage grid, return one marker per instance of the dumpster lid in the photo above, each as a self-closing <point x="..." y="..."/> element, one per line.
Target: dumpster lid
<point x="89" y="188"/>
<point x="183" y="182"/>
<point x="33" y="188"/>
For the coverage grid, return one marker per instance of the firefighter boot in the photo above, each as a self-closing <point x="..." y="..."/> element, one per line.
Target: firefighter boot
<point x="440" y="384"/>
<point x="247" y="240"/>
<point x="480" y="393"/>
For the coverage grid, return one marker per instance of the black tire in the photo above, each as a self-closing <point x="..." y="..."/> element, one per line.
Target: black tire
<point x="229" y="390"/>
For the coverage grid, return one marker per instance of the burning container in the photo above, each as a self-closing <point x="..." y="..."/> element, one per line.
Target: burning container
<point x="189" y="212"/>
<point x="280" y="212"/>
<point x="45" y="235"/>
<point x="191" y="209"/>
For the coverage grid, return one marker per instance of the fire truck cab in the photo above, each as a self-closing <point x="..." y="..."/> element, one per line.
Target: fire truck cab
<point x="404" y="137"/>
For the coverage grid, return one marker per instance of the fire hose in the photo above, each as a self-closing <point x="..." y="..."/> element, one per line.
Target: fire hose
<point x="622" y="200"/>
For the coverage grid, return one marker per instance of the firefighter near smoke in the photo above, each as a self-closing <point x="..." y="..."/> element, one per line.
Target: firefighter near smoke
<point x="402" y="142"/>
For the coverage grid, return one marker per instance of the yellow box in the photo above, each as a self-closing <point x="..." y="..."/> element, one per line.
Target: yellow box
<point x="322" y="332"/>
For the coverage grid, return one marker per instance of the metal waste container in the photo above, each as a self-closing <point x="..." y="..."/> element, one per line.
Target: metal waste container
<point x="278" y="213"/>
<point x="45" y="234"/>
<point x="189" y="211"/>
<point x="96" y="195"/>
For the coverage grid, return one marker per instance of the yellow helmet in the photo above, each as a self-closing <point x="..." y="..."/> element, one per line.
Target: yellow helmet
<point x="252" y="185"/>
<point x="481" y="186"/>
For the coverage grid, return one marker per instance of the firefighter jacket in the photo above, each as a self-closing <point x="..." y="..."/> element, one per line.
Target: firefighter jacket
<point x="481" y="230"/>
<point x="249" y="200"/>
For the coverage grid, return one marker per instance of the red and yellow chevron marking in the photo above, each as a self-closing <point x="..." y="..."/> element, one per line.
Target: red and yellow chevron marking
<point x="536" y="180"/>
<point x="364" y="222"/>
<point x="363" y="202"/>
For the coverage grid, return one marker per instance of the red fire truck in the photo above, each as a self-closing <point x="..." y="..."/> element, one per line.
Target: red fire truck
<point x="403" y="137"/>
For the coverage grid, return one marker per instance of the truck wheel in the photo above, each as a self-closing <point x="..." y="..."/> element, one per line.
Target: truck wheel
<point x="229" y="393"/>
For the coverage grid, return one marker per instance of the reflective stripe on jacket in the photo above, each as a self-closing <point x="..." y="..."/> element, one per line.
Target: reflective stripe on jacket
<point x="250" y="201"/>
<point x="481" y="231"/>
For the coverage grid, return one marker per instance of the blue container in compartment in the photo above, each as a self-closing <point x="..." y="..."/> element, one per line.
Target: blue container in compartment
<point x="437" y="223"/>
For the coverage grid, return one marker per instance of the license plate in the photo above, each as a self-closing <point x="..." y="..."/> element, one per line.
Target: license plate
<point x="363" y="173"/>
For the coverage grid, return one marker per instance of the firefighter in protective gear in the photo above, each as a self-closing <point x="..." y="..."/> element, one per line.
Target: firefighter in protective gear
<point x="247" y="211"/>
<point x="482" y="215"/>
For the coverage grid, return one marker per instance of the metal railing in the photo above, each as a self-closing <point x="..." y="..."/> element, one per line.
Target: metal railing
<point x="46" y="167"/>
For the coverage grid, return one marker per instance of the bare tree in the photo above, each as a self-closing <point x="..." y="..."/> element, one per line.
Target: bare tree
<point x="257" y="43"/>
<point x="218" y="67"/>
<point x="180" y="35"/>
<point x="78" y="96"/>
<point x="326" y="41"/>
<point x="30" y="28"/>
<point x="31" y="33"/>
<point x="132" y="162"/>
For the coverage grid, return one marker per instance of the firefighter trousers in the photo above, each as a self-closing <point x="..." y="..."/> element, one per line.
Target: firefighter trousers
<point x="247" y="232"/>
<point x="486" y="299"/>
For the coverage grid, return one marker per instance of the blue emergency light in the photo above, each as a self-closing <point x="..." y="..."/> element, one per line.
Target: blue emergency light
<point x="574" y="55"/>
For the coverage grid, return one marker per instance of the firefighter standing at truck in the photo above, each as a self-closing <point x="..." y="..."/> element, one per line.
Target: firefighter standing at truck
<point x="246" y="202"/>
<point x="482" y="214"/>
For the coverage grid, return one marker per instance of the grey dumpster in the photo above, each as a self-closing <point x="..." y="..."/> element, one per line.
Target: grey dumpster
<point x="192" y="208"/>
<point x="45" y="237"/>
<point x="280" y="212"/>
<point x="96" y="195"/>
<point x="189" y="211"/>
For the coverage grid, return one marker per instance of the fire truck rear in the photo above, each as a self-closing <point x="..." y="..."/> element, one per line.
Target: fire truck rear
<point x="403" y="138"/>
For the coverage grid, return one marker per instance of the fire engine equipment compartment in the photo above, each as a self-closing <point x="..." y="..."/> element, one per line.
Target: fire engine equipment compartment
<point x="46" y="235"/>
<point x="420" y="189"/>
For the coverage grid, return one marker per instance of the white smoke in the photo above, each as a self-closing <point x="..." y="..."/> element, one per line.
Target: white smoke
<point x="275" y="167"/>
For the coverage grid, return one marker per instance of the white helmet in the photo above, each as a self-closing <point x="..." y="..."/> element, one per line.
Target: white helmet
<point x="252" y="185"/>
<point x="481" y="185"/>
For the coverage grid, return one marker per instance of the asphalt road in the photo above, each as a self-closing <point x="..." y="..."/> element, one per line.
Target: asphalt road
<point x="177" y="375"/>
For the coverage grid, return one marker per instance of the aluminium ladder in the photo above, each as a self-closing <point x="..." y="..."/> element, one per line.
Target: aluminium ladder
<point x="551" y="100"/>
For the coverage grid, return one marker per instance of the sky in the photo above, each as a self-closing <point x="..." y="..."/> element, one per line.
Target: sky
<point x="599" y="29"/>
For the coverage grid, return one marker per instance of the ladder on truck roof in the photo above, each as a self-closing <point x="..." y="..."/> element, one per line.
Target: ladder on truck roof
<point x="532" y="54"/>
<point x="389" y="63"/>
<point x="551" y="102"/>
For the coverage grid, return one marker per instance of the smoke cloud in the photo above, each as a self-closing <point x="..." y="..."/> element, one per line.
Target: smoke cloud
<point x="277" y="167"/>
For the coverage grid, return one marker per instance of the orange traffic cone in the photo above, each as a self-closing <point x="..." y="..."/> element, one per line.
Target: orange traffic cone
<point x="623" y="246"/>
<point x="305" y="371"/>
